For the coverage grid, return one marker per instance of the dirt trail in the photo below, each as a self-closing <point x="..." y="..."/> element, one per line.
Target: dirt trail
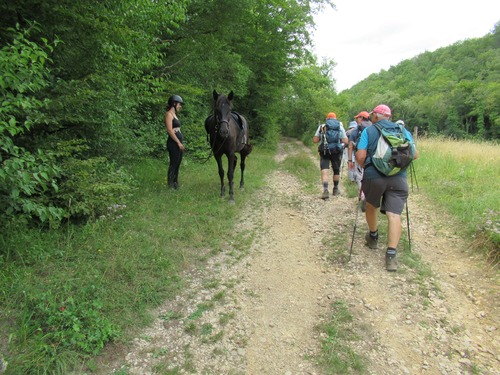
<point x="264" y="307"/>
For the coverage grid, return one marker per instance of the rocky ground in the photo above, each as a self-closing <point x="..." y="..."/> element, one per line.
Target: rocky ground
<point x="257" y="314"/>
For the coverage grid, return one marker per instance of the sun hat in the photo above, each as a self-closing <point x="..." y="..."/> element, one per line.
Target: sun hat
<point x="363" y="114"/>
<point x="353" y="124"/>
<point x="331" y="115"/>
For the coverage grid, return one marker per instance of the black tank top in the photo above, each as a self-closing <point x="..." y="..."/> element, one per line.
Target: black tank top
<point x="176" y="123"/>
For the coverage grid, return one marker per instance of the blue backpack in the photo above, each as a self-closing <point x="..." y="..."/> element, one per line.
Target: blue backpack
<point x="330" y="138"/>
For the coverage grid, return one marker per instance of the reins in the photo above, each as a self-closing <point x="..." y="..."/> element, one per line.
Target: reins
<point x="212" y="146"/>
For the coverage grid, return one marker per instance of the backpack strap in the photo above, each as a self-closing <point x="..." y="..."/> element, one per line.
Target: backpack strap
<point x="368" y="161"/>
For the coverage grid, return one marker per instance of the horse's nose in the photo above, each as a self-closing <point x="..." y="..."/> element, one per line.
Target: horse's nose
<point x="224" y="129"/>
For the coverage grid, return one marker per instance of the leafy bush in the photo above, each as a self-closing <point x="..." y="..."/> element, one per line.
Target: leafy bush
<point x="62" y="327"/>
<point x="90" y="187"/>
<point x="25" y="177"/>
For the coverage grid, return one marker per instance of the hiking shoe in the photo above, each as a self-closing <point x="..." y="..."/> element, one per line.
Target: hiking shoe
<point x="363" y="205"/>
<point x="391" y="263"/>
<point x="371" y="242"/>
<point x="325" y="195"/>
<point x="336" y="191"/>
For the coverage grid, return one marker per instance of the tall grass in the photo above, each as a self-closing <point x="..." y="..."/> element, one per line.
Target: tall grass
<point x="463" y="178"/>
<point x="66" y="293"/>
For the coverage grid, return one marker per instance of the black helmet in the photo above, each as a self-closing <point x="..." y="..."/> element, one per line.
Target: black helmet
<point x="174" y="99"/>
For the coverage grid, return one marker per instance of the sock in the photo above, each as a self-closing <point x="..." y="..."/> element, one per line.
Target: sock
<point x="374" y="235"/>
<point x="325" y="185"/>
<point x="391" y="252"/>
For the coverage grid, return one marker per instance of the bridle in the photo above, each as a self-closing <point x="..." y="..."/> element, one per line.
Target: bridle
<point x="217" y="128"/>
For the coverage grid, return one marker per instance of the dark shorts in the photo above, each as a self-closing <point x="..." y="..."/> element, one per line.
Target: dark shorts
<point x="335" y="160"/>
<point x="388" y="193"/>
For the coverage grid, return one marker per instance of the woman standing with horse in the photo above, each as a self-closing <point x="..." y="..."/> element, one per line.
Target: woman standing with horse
<point x="174" y="142"/>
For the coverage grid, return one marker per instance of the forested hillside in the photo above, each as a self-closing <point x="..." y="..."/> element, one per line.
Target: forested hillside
<point x="453" y="91"/>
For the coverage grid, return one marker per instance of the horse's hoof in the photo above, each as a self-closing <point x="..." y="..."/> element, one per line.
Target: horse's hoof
<point x="231" y="201"/>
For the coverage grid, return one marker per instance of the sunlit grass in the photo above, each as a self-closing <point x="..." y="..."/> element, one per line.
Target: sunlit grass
<point x="463" y="178"/>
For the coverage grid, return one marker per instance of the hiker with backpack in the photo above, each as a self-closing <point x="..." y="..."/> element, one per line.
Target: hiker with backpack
<point x="331" y="137"/>
<point x="385" y="150"/>
<point x="362" y="121"/>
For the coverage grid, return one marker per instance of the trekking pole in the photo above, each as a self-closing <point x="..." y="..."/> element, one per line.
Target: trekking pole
<point x="408" y="226"/>
<point x="355" y="224"/>
<point x="412" y="171"/>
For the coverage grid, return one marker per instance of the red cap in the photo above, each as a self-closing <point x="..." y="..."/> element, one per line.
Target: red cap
<point x="363" y="114"/>
<point x="383" y="110"/>
<point x="331" y="115"/>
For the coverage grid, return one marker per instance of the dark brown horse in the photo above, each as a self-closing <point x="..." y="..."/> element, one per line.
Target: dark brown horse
<point x="228" y="133"/>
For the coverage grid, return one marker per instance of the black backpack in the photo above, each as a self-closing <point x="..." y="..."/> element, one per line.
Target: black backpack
<point x="330" y="138"/>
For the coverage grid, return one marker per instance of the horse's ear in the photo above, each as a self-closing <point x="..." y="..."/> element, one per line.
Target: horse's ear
<point x="215" y="95"/>
<point x="231" y="95"/>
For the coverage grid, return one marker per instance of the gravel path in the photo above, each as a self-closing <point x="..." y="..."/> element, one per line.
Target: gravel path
<point x="257" y="314"/>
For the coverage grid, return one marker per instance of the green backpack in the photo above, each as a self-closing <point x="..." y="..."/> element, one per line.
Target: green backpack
<point x="394" y="152"/>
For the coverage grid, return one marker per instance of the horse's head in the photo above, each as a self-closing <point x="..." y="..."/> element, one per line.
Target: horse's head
<point x="222" y="111"/>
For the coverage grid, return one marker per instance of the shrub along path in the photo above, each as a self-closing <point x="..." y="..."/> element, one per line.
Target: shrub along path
<point x="273" y="308"/>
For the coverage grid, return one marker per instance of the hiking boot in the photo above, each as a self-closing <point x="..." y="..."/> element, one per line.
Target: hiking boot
<point x="363" y="205"/>
<point x="325" y="195"/>
<point x="391" y="263"/>
<point x="335" y="191"/>
<point x="371" y="242"/>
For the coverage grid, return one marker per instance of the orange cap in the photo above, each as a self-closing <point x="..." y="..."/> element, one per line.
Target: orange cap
<point x="363" y="114"/>
<point x="331" y="115"/>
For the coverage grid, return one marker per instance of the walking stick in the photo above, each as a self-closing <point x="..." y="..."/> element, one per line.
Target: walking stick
<point x="408" y="226"/>
<point x="355" y="223"/>
<point x="412" y="174"/>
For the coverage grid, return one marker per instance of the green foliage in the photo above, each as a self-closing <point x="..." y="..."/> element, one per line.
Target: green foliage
<point x="451" y="91"/>
<point x="25" y="177"/>
<point x="61" y="329"/>
<point x="90" y="187"/>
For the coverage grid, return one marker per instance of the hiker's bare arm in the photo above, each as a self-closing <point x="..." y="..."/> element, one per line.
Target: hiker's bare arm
<point x="415" y="155"/>
<point x="360" y="157"/>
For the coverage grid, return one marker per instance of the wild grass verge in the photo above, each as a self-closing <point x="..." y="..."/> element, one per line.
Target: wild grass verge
<point x="463" y="178"/>
<point x="67" y="292"/>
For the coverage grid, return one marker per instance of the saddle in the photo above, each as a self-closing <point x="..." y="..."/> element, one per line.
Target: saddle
<point x="244" y="132"/>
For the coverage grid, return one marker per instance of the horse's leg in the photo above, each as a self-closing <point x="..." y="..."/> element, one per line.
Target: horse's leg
<point x="221" y="175"/>
<point x="231" y="161"/>
<point x="242" y="167"/>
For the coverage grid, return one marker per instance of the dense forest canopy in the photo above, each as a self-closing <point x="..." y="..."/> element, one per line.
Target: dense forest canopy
<point x="84" y="86"/>
<point x="452" y="91"/>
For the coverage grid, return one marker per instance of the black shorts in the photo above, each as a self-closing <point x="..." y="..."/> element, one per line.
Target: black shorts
<point x="392" y="191"/>
<point x="334" y="159"/>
